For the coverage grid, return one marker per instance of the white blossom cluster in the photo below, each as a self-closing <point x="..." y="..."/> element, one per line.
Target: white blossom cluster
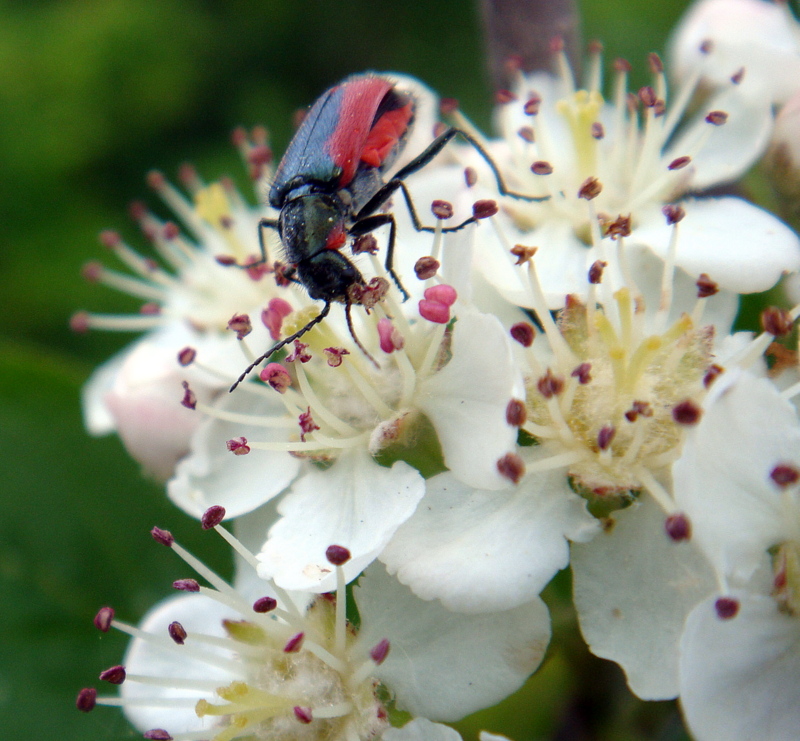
<point x="562" y="389"/>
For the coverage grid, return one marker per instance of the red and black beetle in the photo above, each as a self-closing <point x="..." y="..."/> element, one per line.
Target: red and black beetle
<point x="330" y="184"/>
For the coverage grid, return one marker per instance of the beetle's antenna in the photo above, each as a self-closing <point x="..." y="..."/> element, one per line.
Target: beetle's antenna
<point x="353" y="335"/>
<point x="291" y="338"/>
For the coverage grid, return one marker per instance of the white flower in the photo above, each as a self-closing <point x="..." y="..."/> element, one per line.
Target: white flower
<point x="719" y="37"/>
<point x="598" y="162"/>
<point x="611" y="387"/>
<point x="190" y="299"/>
<point x="738" y="484"/>
<point x="224" y="664"/>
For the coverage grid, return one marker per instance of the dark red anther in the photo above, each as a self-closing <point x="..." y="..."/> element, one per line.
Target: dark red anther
<point x="86" y="699"/>
<point x="240" y="323"/>
<point x="583" y="373"/>
<point x="503" y="97"/>
<point x="366" y="244"/>
<point x="114" y="674"/>
<point x="605" y="437"/>
<point x="303" y="714"/>
<point x="785" y="474"/>
<point x="448" y="106"/>
<point x="712" y="374"/>
<point x="162" y="536"/>
<point x="442" y="210"/>
<point x="380" y="651"/>
<point x="706" y="46"/>
<point x="648" y="96"/>
<point x="639" y="409"/>
<point x="726" y="607"/>
<point x="541" y="167"/>
<point x="470" y="176"/>
<point x="777" y="322"/>
<point x="516" y="413"/>
<point x="187" y="174"/>
<point x="511" y="467"/>
<point x="294" y="644"/>
<point x="484" y="208"/>
<point x="679" y="162"/>
<point x="276" y="376"/>
<point x="596" y="271"/>
<point x="155" y="179"/>
<point x="656" y="65"/>
<point x="151" y="308"/>
<point x="524" y="333"/>
<point x="705" y="286"/>
<point x="157" y="734"/>
<point x="103" y="618"/>
<point x="738" y="76"/>
<point x="678" y="527"/>
<point x="338" y="555"/>
<point x="531" y="107"/>
<point x="307" y="424"/>
<point x="618" y="228"/>
<point x="187" y="356"/>
<point x="238" y="446"/>
<point x="673" y="213"/>
<point x="225" y="260"/>
<point x="716" y="118"/>
<point x="557" y="44"/>
<point x="212" y="517"/>
<point x="186" y="585"/>
<point x="299" y="353"/>
<point x="80" y="322"/>
<point x="426" y="267"/>
<point x="110" y="238"/>
<point x="177" y="632"/>
<point x="189" y="400"/>
<point x="598" y="132"/>
<point x="527" y="134"/>
<point x="687" y="413"/>
<point x="594" y="47"/>
<point x="272" y="317"/>
<point x="550" y="385"/>
<point x="523" y="253"/>
<point x="622" y="65"/>
<point x="335" y="355"/>
<point x="170" y="231"/>
<point x="92" y="271"/>
<point x="265" y="604"/>
<point x="590" y="189"/>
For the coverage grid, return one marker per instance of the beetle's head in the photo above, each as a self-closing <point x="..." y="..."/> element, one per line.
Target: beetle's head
<point x="313" y="230"/>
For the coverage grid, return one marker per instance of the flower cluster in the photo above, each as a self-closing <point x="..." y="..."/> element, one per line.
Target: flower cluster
<point x="545" y="376"/>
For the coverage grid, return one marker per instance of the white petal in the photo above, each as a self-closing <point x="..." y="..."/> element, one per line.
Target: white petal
<point x="486" y="736"/>
<point x="732" y="147"/>
<point x="212" y="475"/>
<point x="165" y="659"/>
<point x="355" y="503"/>
<point x="444" y="665"/>
<point x="742" y="247"/>
<point x="479" y="550"/>
<point x="751" y="34"/>
<point x="739" y="677"/>
<point x="633" y="588"/>
<point x="96" y="415"/>
<point x="466" y="401"/>
<point x="421" y="730"/>
<point x="722" y="480"/>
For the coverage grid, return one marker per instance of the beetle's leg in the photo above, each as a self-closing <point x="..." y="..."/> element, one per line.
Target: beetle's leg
<point x="285" y="341"/>
<point x="427" y="156"/>
<point x="370" y="223"/>
<point x="262" y="224"/>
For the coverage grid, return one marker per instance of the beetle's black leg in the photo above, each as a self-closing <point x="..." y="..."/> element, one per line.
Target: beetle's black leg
<point x="262" y="224"/>
<point x="426" y="156"/>
<point x="285" y="341"/>
<point x="370" y="223"/>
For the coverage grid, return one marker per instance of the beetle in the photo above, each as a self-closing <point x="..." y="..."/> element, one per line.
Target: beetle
<point x="330" y="187"/>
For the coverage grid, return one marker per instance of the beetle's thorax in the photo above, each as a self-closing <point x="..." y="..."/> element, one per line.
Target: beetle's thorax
<point x="313" y="228"/>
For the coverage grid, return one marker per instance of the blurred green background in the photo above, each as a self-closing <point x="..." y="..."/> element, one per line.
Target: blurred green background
<point x="93" y="94"/>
